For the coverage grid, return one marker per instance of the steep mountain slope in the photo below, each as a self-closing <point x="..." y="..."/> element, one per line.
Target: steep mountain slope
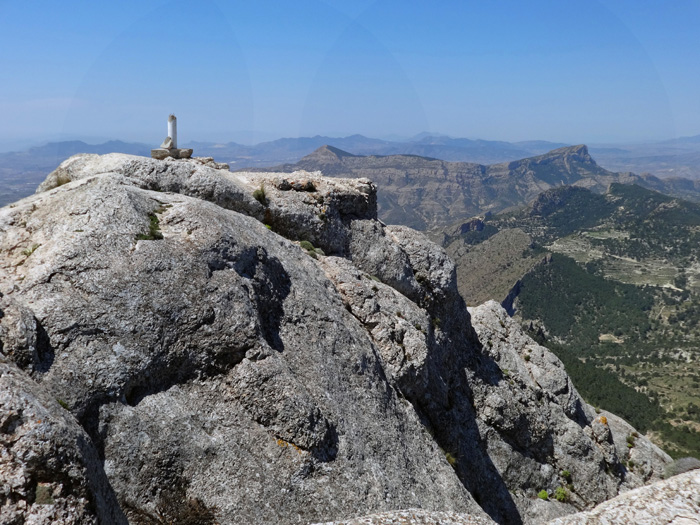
<point x="169" y="357"/>
<point x="620" y="292"/>
<point x="426" y="193"/>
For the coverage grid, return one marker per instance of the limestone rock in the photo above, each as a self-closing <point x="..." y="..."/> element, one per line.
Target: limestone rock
<point x="414" y="517"/>
<point x="169" y="351"/>
<point x="49" y="469"/>
<point x="167" y="143"/>
<point x="537" y="426"/>
<point x="220" y="372"/>
<point x="675" y="500"/>
<point x="307" y="206"/>
<point x="170" y="152"/>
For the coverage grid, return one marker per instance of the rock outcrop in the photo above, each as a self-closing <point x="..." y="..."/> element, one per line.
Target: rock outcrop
<point x="189" y="358"/>
<point x="674" y="500"/>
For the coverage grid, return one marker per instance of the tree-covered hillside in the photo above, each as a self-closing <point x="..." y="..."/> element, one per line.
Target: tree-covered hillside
<point x="618" y="300"/>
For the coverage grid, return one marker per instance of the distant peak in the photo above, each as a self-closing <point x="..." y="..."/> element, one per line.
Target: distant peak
<point x="581" y="151"/>
<point x="327" y="151"/>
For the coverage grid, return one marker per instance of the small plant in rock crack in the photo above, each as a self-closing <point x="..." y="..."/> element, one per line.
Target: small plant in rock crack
<point x="561" y="494"/>
<point x="30" y="250"/>
<point x="310" y="250"/>
<point x="451" y="458"/>
<point x="43" y="494"/>
<point x="543" y="494"/>
<point x="259" y="195"/>
<point x="154" y="232"/>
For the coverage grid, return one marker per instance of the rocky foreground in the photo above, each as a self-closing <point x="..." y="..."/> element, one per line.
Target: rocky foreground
<point x="182" y="344"/>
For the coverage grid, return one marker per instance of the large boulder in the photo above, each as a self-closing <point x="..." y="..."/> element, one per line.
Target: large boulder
<point x="210" y="369"/>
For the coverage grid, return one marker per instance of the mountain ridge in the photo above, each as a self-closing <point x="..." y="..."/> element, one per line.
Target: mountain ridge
<point x="427" y="193"/>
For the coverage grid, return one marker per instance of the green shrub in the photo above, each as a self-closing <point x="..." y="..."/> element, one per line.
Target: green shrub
<point x="542" y="494"/>
<point x="561" y="494"/>
<point x="566" y="475"/>
<point x="306" y="245"/>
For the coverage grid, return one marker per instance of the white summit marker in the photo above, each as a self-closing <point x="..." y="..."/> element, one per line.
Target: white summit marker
<point x="169" y="147"/>
<point x="172" y="130"/>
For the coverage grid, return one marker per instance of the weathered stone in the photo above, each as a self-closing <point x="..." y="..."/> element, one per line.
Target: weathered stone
<point x="175" y="153"/>
<point x="675" y="500"/>
<point x="49" y="469"/>
<point x="222" y="371"/>
<point x="414" y="517"/>
<point x="537" y="426"/>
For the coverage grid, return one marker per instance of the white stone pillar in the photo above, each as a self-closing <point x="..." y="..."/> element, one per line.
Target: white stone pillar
<point x="172" y="129"/>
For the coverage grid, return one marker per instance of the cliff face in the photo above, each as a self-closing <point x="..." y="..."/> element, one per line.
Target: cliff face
<point x="167" y="356"/>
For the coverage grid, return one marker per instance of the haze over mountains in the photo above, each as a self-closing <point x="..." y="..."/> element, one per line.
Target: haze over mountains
<point x="426" y="193"/>
<point x="22" y="171"/>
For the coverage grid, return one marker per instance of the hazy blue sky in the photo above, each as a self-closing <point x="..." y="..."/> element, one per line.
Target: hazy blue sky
<point x="571" y="71"/>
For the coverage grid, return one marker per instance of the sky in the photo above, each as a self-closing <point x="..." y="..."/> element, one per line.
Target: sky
<point x="571" y="71"/>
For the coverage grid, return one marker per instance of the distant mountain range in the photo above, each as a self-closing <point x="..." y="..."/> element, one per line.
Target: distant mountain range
<point x="427" y="193"/>
<point x="21" y="172"/>
<point x="671" y="158"/>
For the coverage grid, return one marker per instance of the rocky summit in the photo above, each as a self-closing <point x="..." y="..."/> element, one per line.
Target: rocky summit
<point x="182" y="344"/>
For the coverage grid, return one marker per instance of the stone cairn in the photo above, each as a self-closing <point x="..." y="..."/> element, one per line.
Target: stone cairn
<point x="169" y="147"/>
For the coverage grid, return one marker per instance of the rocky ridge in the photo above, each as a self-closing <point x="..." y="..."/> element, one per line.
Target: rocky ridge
<point x="153" y="313"/>
<point x="427" y="193"/>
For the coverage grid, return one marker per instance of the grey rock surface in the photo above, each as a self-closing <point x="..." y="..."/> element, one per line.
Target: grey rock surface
<point x="413" y="517"/>
<point x="50" y="471"/>
<point x="537" y="426"/>
<point x="217" y="370"/>
<point x="673" y="501"/>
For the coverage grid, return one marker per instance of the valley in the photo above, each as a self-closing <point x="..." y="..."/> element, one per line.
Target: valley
<point x="610" y="283"/>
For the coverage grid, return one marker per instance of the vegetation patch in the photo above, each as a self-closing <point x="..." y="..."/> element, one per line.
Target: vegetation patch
<point x="259" y="195"/>
<point x="29" y="251"/>
<point x="561" y="494"/>
<point x="311" y="250"/>
<point x="43" y="494"/>
<point x="154" y="232"/>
